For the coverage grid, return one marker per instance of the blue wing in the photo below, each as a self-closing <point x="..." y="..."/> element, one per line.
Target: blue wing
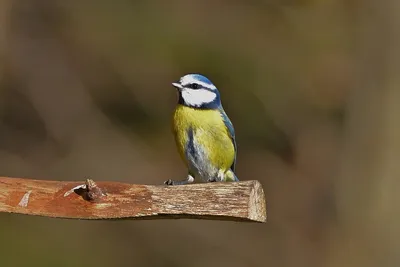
<point x="231" y="132"/>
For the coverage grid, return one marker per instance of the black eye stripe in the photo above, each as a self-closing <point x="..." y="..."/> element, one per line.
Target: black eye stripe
<point x="196" y="86"/>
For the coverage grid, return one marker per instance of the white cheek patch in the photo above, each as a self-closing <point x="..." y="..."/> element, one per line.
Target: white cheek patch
<point x="198" y="97"/>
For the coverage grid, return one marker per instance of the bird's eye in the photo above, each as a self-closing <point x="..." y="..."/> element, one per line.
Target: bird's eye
<point x="194" y="86"/>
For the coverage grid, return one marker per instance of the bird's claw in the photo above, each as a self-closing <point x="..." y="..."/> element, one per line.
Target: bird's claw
<point x="169" y="182"/>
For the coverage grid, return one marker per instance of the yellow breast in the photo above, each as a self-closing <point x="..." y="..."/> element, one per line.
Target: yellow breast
<point x="209" y="131"/>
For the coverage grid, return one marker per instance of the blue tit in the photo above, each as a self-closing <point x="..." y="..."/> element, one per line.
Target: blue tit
<point x="203" y="132"/>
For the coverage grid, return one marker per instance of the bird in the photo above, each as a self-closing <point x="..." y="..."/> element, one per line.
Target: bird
<point x="204" y="134"/>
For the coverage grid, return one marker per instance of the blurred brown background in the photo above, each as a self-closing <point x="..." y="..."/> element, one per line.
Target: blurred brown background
<point x="311" y="87"/>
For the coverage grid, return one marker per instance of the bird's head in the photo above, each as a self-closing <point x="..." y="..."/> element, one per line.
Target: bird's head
<point x="197" y="91"/>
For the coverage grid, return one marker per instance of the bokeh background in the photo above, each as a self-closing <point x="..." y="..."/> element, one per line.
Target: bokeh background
<point x="312" y="87"/>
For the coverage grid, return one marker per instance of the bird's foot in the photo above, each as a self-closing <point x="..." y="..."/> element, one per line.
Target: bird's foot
<point x="188" y="180"/>
<point x="211" y="180"/>
<point x="169" y="182"/>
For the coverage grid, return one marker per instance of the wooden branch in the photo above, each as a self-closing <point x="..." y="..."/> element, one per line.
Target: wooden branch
<point x="233" y="201"/>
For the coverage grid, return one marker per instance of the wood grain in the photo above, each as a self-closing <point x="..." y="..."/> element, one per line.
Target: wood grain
<point x="238" y="201"/>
